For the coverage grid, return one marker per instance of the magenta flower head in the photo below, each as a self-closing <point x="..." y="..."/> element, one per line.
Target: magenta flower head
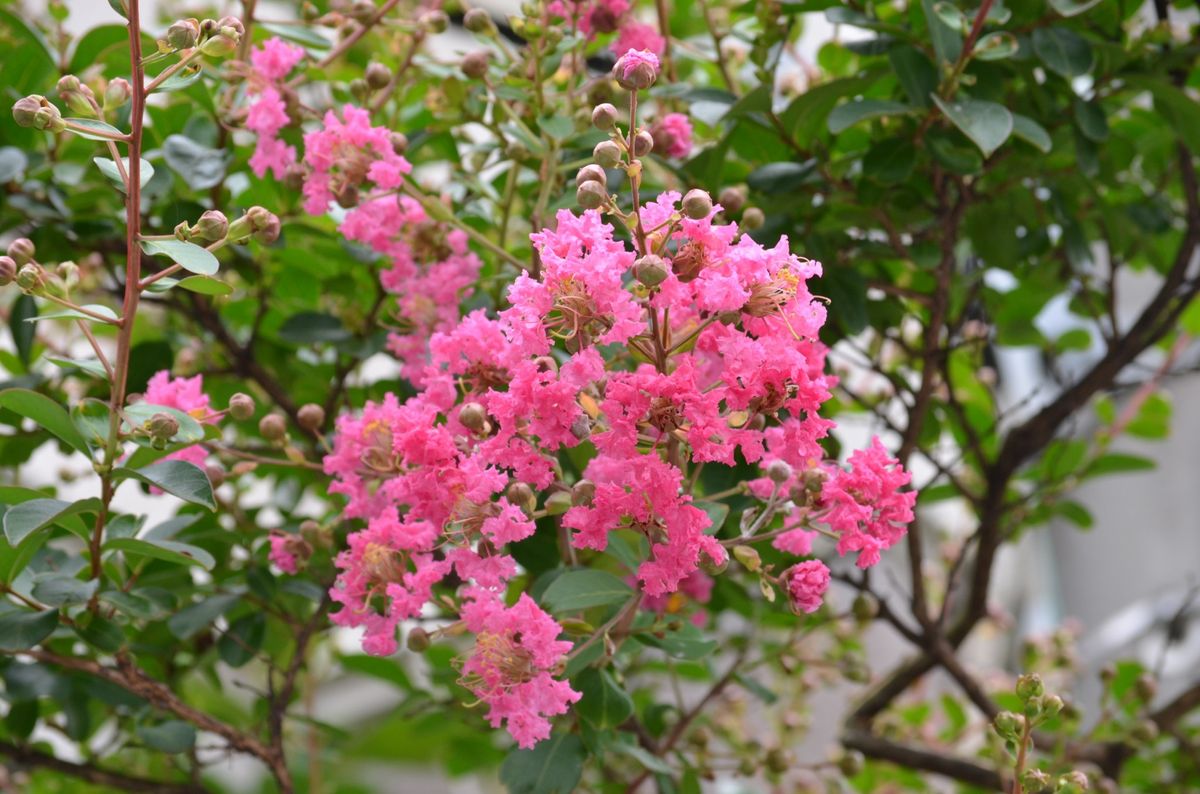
<point x="806" y="585"/>
<point x="636" y="69"/>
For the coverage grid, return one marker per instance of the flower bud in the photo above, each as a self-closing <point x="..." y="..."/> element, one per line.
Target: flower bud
<point x="21" y="250"/>
<point x="478" y="21"/>
<point x="50" y="119"/>
<point x="222" y="44"/>
<point x="581" y="428"/>
<point x="1034" y="780"/>
<point x="1030" y="686"/>
<point x="258" y="221"/>
<point x="25" y="110"/>
<point x="231" y="25"/>
<point x="752" y="219"/>
<point x="591" y="173"/>
<point x="184" y="34"/>
<point x="418" y="640"/>
<point x="399" y="142"/>
<point x="1047" y="706"/>
<point x="697" y="204"/>
<point x="78" y="96"/>
<point x="582" y="493"/>
<point x="651" y="270"/>
<point x="475" y="64"/>
<point x="1009" y="725"/>
<point x="360" y="90"/>
<point x="1146" y="687"/>
<point x="162" y="426"/>
<point x="311" y="416"/>
<point x="473" y="416"/>
<point x="241" y="406"/>
<point x="1072" y="783"/>
<point x="634" y="70"/>
<point x="748" y="557"/>
<point x="607" y="154"/>
<point x="435" y="21"/>
<point x="377" y="75"/>
<point x="778" y="760"/>
<point x="732" y="200"/>
<point x="643" y="144"/>
<point x="1144" y="732"/>
<point x="779" y="471"/>
<point x="521" y="495"/>
<point x="212" y="226"/>
<point x="117" y="93"/>
<point x="30" y="278"/>
<point x="68" y="274"/>
<point x="8" y="270"/>
<point x="216" y="474"/>
<point x="851" y="763"/>
<point x="604" y="116"/>
<point x="591" y="195"/>
<point x="272" y="427"/>
<point x="865" y="607"/>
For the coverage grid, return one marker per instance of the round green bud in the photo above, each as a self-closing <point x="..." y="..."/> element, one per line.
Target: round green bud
<point x="607" y="154"/>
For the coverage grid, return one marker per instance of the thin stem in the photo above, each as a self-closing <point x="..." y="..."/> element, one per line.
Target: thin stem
<point x="100" y="318"/>
<point x="83" y="326"/>
<point x="148" y="280"/>
<point x="172" y="69"/>
<point x="108" y="136"/>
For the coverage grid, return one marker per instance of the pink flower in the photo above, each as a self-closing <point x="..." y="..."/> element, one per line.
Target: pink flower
<point x="347" y="154"/>
<point x="590" y="16"/>
<point x="672" y="135"/>
<point x="275" y="58"/>
<point x="866" y="505"/>
<point x="636" y="69"/>
<point x="517" y="652"/>
<point x="288" y="551"/>
<point x="696" y="587"/>
<point x="806" y="585"/>
<point x="186" y="395"/>
<point x="639" y="36"/>
<point x="798" y="542"/>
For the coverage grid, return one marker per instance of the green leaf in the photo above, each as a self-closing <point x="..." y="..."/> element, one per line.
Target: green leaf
<point x="299" y="34"/>
<point x="206" y="286"/>
<point x="947" y="42"/>
<point x="1069" y="8"/>
<point x="23" y="309"/>
<point x="558" y="127"/>
<point x="987" y="124"/>
<point x="377" y="667"/>
<point x="1063" y="51"/>
<point x="1180" y="110"/>
<point x="95" y="130"/>
<point x="951" y="16"/>
<point x="856" y="110"/>
<point x="59" y="589"/>
<point x="22" y="520"/>
<point x="180" y="478"/>
<point x="74" y="314"/>
<point x="308" y="328"/>
<point x="199" y="166"/>
<point x="604" y="704"/>
<point x="173" y="736"/>
<point x="891" y="161"/>
<point x="780" y="177"/>
<point x="585" y="588"/>
<point x="109" y="169"/>
<point x="188" y="621"/>
<point x="189" y="256"/>
<point x="243" y="640"/>
<point x="21" y="630"/>
<point x="916" y="74"/>
<point x="1153" y="419"/>
<point x="1031" y="132"/>
<point x="687" y="642"/>
<point x="996" y="46"/>
<point x="1076" y="513"/>
<point x="45" y="413"/>
<point x="1090" y="119"/>
<point x="190" y="430"/>
<point x="1118" y="463"/>
<point x="806" y="115"/>
<point x="91" y="366"/>
<point x="161" y="549"/>
<point x="554" y="766"/>
<point x="100" y="632"/>
<point x="717" y="513"/>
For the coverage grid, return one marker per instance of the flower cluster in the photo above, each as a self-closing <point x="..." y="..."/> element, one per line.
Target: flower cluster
<point x="267" y="113"/>
<point x="592" y="17"/>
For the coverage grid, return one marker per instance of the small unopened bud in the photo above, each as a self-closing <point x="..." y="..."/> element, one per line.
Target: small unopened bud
<point x="591" y="173"/>
<point x="259" y="222"/>
<point x="473" y="417"/>
<point x="311" y="416"/>
<point x="68" y="274"/>
<point x="1030" y="686"/>
<point x="25" y="110"/>
<point x="1009" y="725"/>
<point x="851" y="763"/>
<point x="752" y="219"/>
<point x="604" y="116"/>
<point x="778" y="760"/>
<point x="478" y="21"/>
<point x="1144" y="732"/>
<point x="1034" y="780"/>
<point x="78" y="96"/>
<point x="1047" y="706"/>
<point x="117" y="93"/>
<point x="377" y="75"/>
<point x="779" y="471"/>
<point x="418" y="640"/>
<point x="865" y="607"/>
<point x="634" y="72"/>
<point x="399" y="142"/>
<point x="1072" y="783"/>
<point x="651" y="270"/>
<point x="162" y="426"/>
<point x="360" y="90"/>
<point x="581" y="428"/>
<point x="732" y="200"/>
<point x="184" y="34"/>
<point x="48" y="118"/>
<point x="643" y="144"/>
<point x="241" y="406"/>
<point x="475" y="64"/>
<point x="210" y="227"/>
<point x="8" y="270"/>
<point x="582" y="493"/>
<point x="222" y="44"/>
<point x="521" y="495"/>
<point x="231" y="25"/>
<point x="272" y="427"/>
<point x="29" y="278"/>
<point x="21" y="250"/>
<point x="748" y="557"/>
<point x="216" y="475"/>
<point x="697" y="204"/>
<point x="435" y="21"/>
<point x="607" y="154"/>
<point x="591" y="195"/>
<point x="1146" y="687"/>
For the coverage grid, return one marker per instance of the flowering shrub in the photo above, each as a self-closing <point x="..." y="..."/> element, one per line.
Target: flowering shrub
<point x="561" y="460"/>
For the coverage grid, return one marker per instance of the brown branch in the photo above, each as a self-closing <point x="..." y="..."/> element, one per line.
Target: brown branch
<point x="30" y="756"/>
<point x="911" y="757"/>
<point x="281" y="698"/>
